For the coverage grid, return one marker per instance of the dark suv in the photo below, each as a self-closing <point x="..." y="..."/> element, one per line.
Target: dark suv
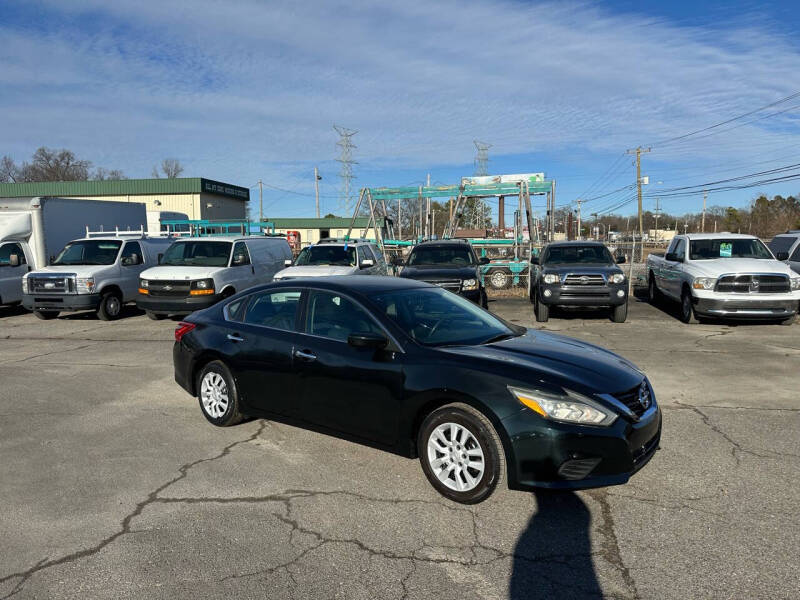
<point x="449" y="264"/>
<point x="578" y="274"/>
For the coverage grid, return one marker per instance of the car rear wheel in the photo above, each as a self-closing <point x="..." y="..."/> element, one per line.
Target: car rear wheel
<point x="110" y="307"/>
<point x="218" y="396"/>
<point x="484" y="299"/>
<point x="499" y="279"/>
<point x="619" y="313"/>
<point x="461" y="453"/>
<point x="46" y="315"/>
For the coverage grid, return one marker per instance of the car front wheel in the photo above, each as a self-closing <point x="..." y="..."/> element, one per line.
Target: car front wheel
<point x="687" y="309"/>
<point x="219" y="398"/>
<point x="461" y="453"/>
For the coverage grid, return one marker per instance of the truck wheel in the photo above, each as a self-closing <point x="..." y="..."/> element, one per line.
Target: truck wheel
<point x="687" y="309"/>
<point x="46" y="315"/>
<point x="788" y="320"/>
<point x="110" y="307"/>
<point x="484" y="300"/>
<point x="619" y="313"/>
<point x="154" y="316"/>
<point x="653" y="293"/>
<point x="542" y="311"/>
<point x="499" y="279"/>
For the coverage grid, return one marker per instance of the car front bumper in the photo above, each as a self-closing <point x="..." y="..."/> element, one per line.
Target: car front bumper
<point x="583" y="295"/>
<point x="171" y="305"/>
<point x="745" y="308"/>
<point x="61" y="302"/>
<point x="549" y="454"/>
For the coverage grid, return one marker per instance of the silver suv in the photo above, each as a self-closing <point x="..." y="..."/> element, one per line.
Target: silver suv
<point x="335" y="256"/>
<point x="786" y="247"/>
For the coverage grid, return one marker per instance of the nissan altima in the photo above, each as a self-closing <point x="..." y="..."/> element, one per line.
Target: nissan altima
<point x="415" y="369"/>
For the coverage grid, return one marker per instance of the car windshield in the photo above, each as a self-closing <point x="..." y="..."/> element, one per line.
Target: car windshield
<point x="570" y="255"/>
<point x="197" y="254"/>
<point x="440" y="255"/>
<point x="89" y="252"/>
<point x="728" y="248"/>
<point x="782" y="243"/>
<point x="332" y="256"/>
<point x="436" y="317"/>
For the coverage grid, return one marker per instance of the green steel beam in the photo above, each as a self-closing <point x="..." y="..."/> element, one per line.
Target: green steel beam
<point x="483" y="190"/>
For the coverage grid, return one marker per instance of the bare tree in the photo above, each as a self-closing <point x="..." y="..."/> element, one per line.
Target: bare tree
<point x="101" y="174"/>
<point x="9" y="172"/>
<point x="55" y="165"/>
<point x="170" y="167"/>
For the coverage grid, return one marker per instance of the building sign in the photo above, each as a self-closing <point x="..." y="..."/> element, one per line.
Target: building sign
<point x="224" y="189"/>
<point x="489" y="179"/>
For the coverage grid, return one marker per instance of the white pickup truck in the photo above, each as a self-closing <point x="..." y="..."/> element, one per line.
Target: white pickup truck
<point x="724" y="275"/>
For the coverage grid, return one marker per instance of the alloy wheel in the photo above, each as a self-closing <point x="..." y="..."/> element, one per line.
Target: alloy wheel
<point x="456" y="457"/>
<point x="214" y="394"/>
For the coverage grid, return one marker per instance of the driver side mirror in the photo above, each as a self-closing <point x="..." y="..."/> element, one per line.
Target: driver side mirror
<point x="13" y="260"/>
<point x="534" y="259"/>
<point x="484" y="260"/>
<point x="133" y="259"/>
<point x="367" y="263"/>
<point x="621" y="259"/>
<point x="367" y="340"/>
<point x="160" y="256"/>
<point x="287" y="262"/>
<point x="778" y="255"/>
<point x="672" y="257"/>
<point x="239" y="260"/>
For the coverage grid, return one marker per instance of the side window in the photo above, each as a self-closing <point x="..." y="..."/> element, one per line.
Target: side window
<point x="795" y="257"/>
<point x="235" y="309"/>
<point x="131" y="254"/>
<point x="272" y="309"/>
<point x="6" y="250"/>
<point x="378" y="255"/>
<point x="333" y="316"/>
<point x="680" y="248"/>
<point x="362" y="254"/>
<point x="671" y="246"/>
<point x="240" y="255"/>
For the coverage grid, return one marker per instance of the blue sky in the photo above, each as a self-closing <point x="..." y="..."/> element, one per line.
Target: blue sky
<point x="242" y="91"/>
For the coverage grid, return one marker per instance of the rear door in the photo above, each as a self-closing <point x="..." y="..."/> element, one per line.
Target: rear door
<point x="357" y="391"/>
<point x="260" y="340"/>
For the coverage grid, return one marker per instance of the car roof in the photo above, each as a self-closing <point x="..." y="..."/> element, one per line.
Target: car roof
<point x="576" y="243"/>
<point x="228" y="238"/>
<point x="356" y="283"/>
<point x="716" y="236"/>
<point x="433" y="243"/>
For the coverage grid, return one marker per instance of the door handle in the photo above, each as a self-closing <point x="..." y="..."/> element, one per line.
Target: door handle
<point x="305" y="356"/>
<point x="235" y="337"/>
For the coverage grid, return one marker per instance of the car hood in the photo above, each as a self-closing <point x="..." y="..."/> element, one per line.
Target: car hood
<point x="426" y="273"/>
<point x="180" y="273"/>
<point x="583" y="269"/>
<point x="719" y="266"/>
<point x="572" y="363"/>
<point x="78" y="270"/>
<point x="314" y="271"/>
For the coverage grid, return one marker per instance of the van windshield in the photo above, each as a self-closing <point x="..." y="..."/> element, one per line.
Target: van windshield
<point x="197" y="254"/>
<point x="89" y="252"/>
<point x="327" y="255"/>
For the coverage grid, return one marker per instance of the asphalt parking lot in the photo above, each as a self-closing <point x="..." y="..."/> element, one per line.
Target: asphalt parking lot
<point x="115" y="486"/>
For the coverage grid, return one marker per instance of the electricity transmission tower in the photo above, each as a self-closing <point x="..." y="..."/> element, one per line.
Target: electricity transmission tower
<point x="479" y="208"/>
<point x="346" y="145"/>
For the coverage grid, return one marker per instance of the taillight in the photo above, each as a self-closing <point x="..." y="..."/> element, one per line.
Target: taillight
<point x="182" y="329"/>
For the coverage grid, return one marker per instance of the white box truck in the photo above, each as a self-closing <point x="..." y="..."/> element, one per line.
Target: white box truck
<point x="34" y="229"/>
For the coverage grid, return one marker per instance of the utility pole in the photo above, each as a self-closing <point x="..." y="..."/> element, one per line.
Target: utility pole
<point x="638" y="151"/>
<point x="703" y="222"/>
<point x="316" y="188"/>
<point x="428" y="215"/>
<point x="260" y="201"/>
<point x="657" y="215"/>
<point x="579" y="201"/>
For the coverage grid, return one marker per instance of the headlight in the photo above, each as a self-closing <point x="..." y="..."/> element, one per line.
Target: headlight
<point x="84" y="285"/>
<point x="550" y="278"/>
<point x="143" y="283"/>
<point x="617" y="278"/>
<point x="568" y="407"/>
<point x="795" y="283"/>
<point x="704" y="283"/>
<point x="24" y="285"/>
<point x="202" y="287"/>
<point x="469" y="284"/>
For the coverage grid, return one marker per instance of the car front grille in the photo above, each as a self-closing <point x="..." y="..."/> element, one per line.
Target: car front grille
<point x="584" y="279"/>
<point x="754" y="284"/>
<point x="631" y="400"/>
<point x="51" y="284"/>
<point x="173" y="289"/>
<point x="453" y="285"/>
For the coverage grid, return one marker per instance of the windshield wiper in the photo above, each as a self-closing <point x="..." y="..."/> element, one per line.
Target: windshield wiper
<point x="498" y="338"/>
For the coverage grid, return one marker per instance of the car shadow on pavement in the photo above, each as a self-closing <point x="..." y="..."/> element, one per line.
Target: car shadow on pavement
<point x="553" y="556"/>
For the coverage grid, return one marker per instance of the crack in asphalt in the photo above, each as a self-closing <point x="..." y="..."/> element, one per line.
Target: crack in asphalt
<point x="27" y="358"/>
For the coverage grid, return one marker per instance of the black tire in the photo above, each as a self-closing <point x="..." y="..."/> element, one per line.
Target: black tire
<point x="687" y="308"/>
<point x="619" y="313"/>
<point x="499" y="279"/>
<point x="788" y="321"/>
<point x="541" y="309"/>
<point x="154" y="315"/>
<point x="110" y="306"/>
<point x="484" y="302"/>
<point x="483" y="434"/>
<point x="653" y="293"/>
<point x="46" y="315"/>
<point x="231" y="414"/>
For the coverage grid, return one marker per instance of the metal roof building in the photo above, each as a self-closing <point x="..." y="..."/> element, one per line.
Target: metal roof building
<point x="312" y="230"/>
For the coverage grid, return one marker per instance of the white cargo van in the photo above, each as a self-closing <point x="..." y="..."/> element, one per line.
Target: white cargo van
<point x="98" y="272"/>
<point x="196" y="272"/>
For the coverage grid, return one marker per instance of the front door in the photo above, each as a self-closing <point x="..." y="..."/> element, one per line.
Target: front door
<point x="259" y="343"/>
<point x="11" y="276"/>
<point x="353" y="390"/>
<point x="132" y="264"/>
